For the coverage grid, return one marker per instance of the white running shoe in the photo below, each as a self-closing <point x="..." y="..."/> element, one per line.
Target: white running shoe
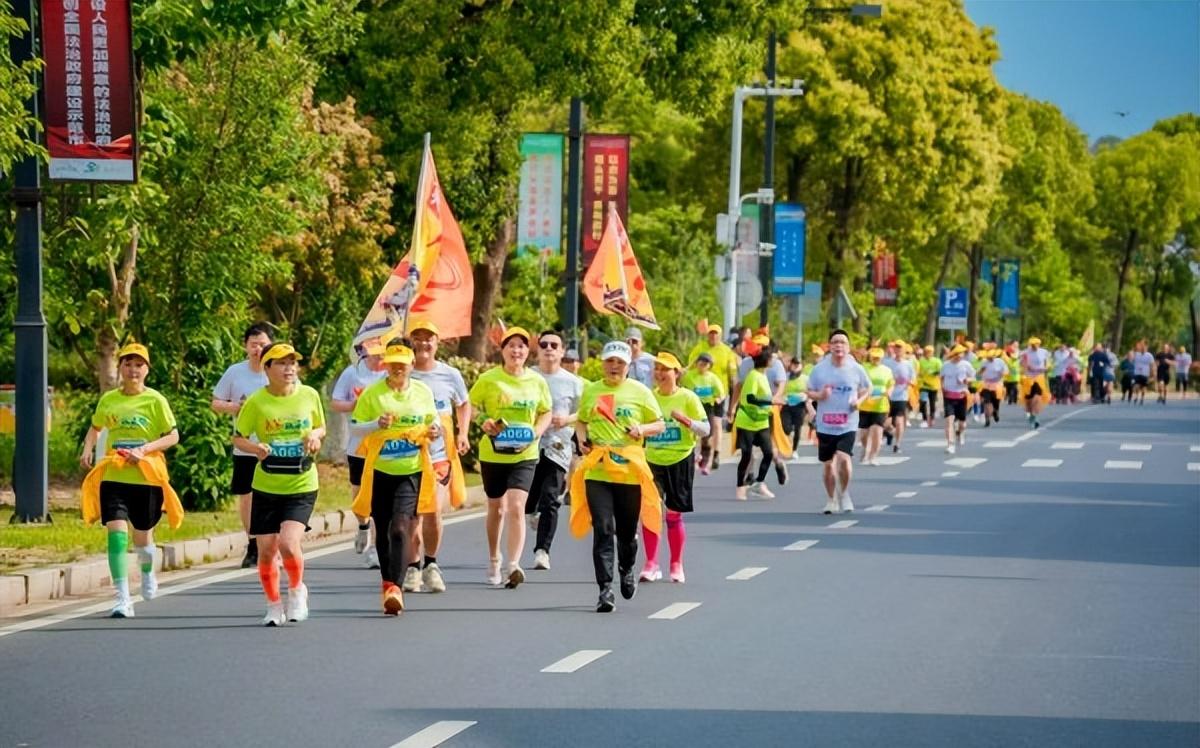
<point x="949" y="449"/>
<point x="431" y="575"/>
<point x="541" y="560"/>
<point x="275" y="615"/>
<point x="831" y="507"/>
<point x="924" y="424"/>
<point x="962" y="438"/>
<point x="149" y="585"/>
<point x="412" y="580"/>
<point x="371" y="558"/>
<point x="493" y="572"/>
<point x="297" y="603"/>
<point x="762" y="490"/>
<point x="873" y="462"/>
<point x="361" y="536"/>
<point x="847" y="503"/>
<point x="123" y="608"/>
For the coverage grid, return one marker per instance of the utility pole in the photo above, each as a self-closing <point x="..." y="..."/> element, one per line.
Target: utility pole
<point x="30" y="459"/>
<point x="574" y="155"/>
<point x="766" y="212"/>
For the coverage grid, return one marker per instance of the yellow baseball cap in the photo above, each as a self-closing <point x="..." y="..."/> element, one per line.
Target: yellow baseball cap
<point x="514" y="332"/>
<point x="1035" y="341"/>
<point x="398" y="354"/>
<point x="278" y="351"/>
<point x="958" y="350"/>
<point x="668" y="360"/>
<point x="760" y="340"/>
<point x="929" y="349"/>
<point x="425" y="325"/>
<point x="907" y="347"/>
<point x="713" y="328"/>
<point x="875" y="353"/>
<point x="134" y="349"/>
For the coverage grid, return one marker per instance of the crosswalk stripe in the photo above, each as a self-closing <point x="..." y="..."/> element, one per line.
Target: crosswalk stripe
<point x="1035" y="463"/>
<point x="1067" y="445"/>
<point x="999" y="444"/>
<point x="1122" y="464"/>
<point x="966" y="462"/>
<point x="1136" y="447"/>
<point x="929" y="443"/>
<point x="891" y="460"/>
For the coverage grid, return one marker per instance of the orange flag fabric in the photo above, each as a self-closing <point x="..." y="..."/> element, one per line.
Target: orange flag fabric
<point x="614" y="283"/>
<point x="434" y="281"/>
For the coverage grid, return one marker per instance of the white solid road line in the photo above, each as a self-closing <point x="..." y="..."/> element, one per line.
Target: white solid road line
<point x="905" y="495"/>
<point x="1136" y="447"/>
<point x="673" y="611"/>
<point x="573" y="662"/>
<point x="434" y="735"/>
<point x="1122" y="464"/>
<point x="1067" y="445"/>
<point x="966" y="462"/>
<point x="1000" y="444"/>
<point x="842" y="524"/>
<point x="928" y="483"/>
<point x="203" y="581"/>
<point x="750" y="572"/>
<point x="950" y="473"/>
<point x="1041" y="463"/>
<point x="801" y="545"/>
<point x="876" y="508"/>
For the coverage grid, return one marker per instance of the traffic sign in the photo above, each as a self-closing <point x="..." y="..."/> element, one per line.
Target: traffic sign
<point x="952" y="308"/>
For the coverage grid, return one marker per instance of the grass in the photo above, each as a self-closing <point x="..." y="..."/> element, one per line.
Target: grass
<point x="68" y="539"/>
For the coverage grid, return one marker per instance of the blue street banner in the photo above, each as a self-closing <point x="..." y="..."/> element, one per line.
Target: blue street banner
<point x="952" y="308"/>
<point x="539" y="216"/>
<point x="788" y="258"/>
<point x="1006" y="285"/>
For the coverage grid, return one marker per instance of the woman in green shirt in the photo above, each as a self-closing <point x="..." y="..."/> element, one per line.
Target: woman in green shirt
<point x="140" y="424"/>
<point x="671" y="457"/>
<point x="289" y="422"/>
<point x="513" y="403"/>
<point x="615" y="415"/>
<point x="397" y="418"/>
<point x="753" y="424"/>
<point x="710" y="388"/>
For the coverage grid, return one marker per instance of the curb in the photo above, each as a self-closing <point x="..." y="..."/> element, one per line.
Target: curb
<point x="89" y="575"/>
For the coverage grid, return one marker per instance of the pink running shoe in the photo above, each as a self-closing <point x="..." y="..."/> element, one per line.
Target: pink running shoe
<point x="677" y="573"/>
<point x="650" y="574"/>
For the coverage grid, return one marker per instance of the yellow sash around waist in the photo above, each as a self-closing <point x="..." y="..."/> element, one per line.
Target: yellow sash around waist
<point x="369" y="450"/>
<point x="581" y="515"/>
<point x="154" y="470"/>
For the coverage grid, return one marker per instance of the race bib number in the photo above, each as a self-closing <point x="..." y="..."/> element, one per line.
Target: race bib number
<point x="703" y="392"/>
<point x="670" y="435"/>
<point x="127" y="443"/>
<point x="287" y="449"/>
<point x="398" y="448"/>
<point x="795" y="399"/>
<point x="835" y="419"/>
<point x="514" y="438"/>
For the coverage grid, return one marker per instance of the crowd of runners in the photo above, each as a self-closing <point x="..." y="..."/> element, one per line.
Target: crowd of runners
<point x="622" y="452"/>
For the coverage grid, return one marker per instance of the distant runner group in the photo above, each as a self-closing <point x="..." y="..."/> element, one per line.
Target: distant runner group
<point x="623" y="450"/>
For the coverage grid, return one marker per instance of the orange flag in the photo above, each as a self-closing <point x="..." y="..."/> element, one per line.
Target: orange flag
<point x="434" y="281"/>
<point x="614" y="284"/>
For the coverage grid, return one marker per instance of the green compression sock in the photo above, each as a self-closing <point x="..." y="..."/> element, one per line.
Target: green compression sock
<point x="118" y="544"/>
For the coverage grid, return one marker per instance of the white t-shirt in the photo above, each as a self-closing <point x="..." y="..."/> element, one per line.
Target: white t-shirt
<point x="449" y="391"/>
<point x="566" y="389"/>
<point x="993" y="372"/>
<point x="1033" y="362"/>
<point x="1143" y="364"/>
<point x="1182" y="362"/>
<point x="904" y="374"/>
<point x="834" y="413"/>
<point x="642" y="369"/>
<point x="955" y="377"/>
<point x="349" y="385"/>
<point x="236" y="384"/>
<point x="1061" y="357"/>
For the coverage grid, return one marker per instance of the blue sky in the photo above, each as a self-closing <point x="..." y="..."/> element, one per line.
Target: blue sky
<point x="1093" y="58"/>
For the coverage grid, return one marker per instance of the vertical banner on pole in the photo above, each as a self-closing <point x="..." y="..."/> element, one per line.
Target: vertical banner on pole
<point x="1006" y="285"/>
<point x="90" y="121"/>
<point x="788" y="258"/>
<point x="539" y="218"/>
<point x="885" y="277"/>
<point x="605" y="183"/>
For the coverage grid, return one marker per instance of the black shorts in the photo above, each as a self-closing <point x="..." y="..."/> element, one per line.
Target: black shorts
<point x="674" y="483"/>
<point x="355" y="466"/>
<point x="715" y="409"/>
<point x="931" y="396"/>
<point x="1035" y="390"/>
<point x="243" y="474"/>
<point x="791" y="417"/>
<point x="1141" y="380"/>
<point x="139" y="505"/>
<point x="897" y="408"/>
<point x="867" y="420"/>
<point x="990" y="396"/>
<point x="499" y="477"/>
<point x="828" y="444"/>
<point x="268" y="511"/>
<point x="394" y="496"/>
<point x="549" y="481"/>
<point x="1164" y="376"/>
<point x="956" y="407"/>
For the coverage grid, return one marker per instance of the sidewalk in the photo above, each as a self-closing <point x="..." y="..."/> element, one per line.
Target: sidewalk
<point x="27" y="592"/>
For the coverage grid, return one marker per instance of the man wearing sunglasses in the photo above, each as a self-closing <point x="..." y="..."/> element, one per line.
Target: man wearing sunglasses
<point x="641" y="367"/>
<point x="555" y="450"/>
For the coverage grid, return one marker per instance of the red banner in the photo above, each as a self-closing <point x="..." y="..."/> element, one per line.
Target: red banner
<point x="885" y="276"/>
<point x="605" y="183"/>
<point x="90" y="116"/>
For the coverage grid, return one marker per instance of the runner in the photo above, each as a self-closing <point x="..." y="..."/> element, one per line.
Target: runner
<point x="957" y="374"/>
<point x="129" y="485"/>
<point x="1183" y="365"/>
<point x="641" y="368"/>
<point x="929" y="371"/>
<point x="1098" y="373"/>
<point x="1127" y="368"/>
<point x="671" y="455"/>
<point x="556" y="449"/>
<point x="571" y="362"/>
<point x="289" y="423"/>
<point x="236" y="384"/>
<point x="454" y="420"/>
<point x="837" y="384"/>
<point x="991" y="378"/>
<point x="904" y="375"/>
<point x="1034" y="389"/>
<point x="725" y="363"/>
<point x="1143" y="366"/>
<point x="514" y="404"/>
<point x="710" y="388"/>
<point x="873" y="411"/>
<point x="752" y="427"/>
<point x="367" y="370"/>
<point x="1165" y="361"/>
<point x="398" y="420"/>
<point x="1057" y="388"/>
<point x="1012" y="381"/>
<point x="777" y="378"/>
<point x="613" y="487"/>
<point x="796" y="410"/>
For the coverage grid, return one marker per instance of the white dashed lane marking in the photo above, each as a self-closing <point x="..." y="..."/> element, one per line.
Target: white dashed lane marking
<point x="843" y="524"/>
<point x="1122" y="464"/>
<point x="801" y="545"/>
<point x="1067" y="445"/>
<point x="999" y="444"/>
<point x="876" y="508"/>
<point x="905" y="495"/>
<point x="1194" y="467"/>
<point x="573" y="662"/>
<point x="950" y="473"/>
<point x="966" y="462"/>
<point x="928" y="483"/>
<point x="749" y="572"/>
<point x="1136" y="447"/>
<point x="1041" y="463"/>
<point x="891" y="460"/>
<point x="930" y="443"/>
<point x="673" y="611"/>
<point x="434" y="735"/>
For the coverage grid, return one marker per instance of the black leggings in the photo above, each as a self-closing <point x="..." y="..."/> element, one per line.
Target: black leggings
<point x="746" y="441"/>
<point x="393" y="506"/>
<point x="615" y="508"/>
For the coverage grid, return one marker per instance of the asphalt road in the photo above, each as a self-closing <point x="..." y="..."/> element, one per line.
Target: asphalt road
<point x="993" y="603"/>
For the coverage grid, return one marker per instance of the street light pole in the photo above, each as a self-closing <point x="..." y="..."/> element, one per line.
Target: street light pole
<point x="574" y="138"/>
<point x="766" y="213"/>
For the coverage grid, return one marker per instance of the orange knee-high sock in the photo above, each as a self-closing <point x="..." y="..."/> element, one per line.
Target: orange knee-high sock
<point x="294" y="567"/>
<point x="268" y="574"/>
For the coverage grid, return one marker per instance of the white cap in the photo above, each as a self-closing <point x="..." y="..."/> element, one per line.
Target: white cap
<point x="616" y="349"/>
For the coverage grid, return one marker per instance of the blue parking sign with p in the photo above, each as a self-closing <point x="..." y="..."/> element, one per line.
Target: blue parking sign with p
<point x="952" y="308"/>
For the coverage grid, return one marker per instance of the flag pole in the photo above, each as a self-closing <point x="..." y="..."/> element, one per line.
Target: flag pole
<point x="414" y="275"/>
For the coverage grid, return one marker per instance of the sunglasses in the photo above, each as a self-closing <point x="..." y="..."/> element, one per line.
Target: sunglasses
<point x="548" y="345"/>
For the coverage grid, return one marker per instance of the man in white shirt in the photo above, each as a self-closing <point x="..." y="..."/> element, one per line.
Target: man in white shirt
<point x="1143" y="370"/>
<point x="1183" y="364"/>
<point x="957" y="374"/>
<point x="237" y="383"/>
<point x="837" y="384"/>
<point x="905" y="373"/>
<point x="641" y="366"/>
<point x="1034" y="389"/>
